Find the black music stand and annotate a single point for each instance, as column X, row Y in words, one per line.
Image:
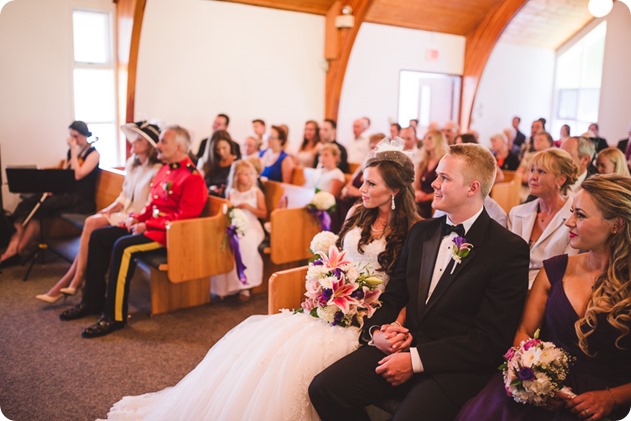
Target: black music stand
column 48, row 181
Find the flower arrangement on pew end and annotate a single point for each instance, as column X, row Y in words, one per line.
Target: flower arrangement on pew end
column 534, row 371
column 322, row 205
column 338, row 292
column 237, row 226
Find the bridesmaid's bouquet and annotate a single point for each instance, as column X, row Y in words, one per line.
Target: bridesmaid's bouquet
column 534, row 371
column 322, row 205
column 337, row 291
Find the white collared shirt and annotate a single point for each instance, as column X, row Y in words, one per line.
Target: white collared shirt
column 442, row 261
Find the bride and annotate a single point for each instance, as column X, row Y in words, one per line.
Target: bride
column 261, row 369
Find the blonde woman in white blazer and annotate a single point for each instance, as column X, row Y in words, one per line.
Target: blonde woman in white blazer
column 542, row 222
column 140, row 169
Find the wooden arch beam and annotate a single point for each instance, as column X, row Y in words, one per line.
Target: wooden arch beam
column 129, row 16
column 479, row 45
column 337, row 51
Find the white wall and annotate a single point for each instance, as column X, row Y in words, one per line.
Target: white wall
column 615, row 94
column 36, row 104
column 517, row 80
column 380, row 52
column 199, row 58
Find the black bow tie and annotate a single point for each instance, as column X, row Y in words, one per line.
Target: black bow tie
column 458, row 229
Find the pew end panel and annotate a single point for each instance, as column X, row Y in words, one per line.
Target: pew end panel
column 291, row 234
column 286, row 289
column 197, row 248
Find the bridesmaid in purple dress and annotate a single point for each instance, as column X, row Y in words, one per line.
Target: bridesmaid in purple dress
column 583, row 304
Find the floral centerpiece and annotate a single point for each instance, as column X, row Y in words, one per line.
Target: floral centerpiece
column 322, row 205
column 534, row 371
column 237, row 226
column 337, row 291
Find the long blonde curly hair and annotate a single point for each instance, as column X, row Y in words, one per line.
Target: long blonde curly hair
column 611, row 295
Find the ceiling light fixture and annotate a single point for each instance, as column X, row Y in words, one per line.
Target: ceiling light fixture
column 599, row 8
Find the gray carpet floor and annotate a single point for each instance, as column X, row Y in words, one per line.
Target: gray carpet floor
column 49, row 373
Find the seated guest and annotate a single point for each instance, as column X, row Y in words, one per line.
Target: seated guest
column 582, row 151
column 466, row 138
column 328, row 176
column 217, row 170
column 276, row 165
column 612, row 161
column 221, row 122
column 251, row 147
column 581, row 304
column 328, row 133
column 541, row 141
column 453, row 336
column 564, row 134
column 244, row 194
column 358, row 147
column 624, row 145
column 177, row 192
column 209, row 145
column 434, row 147
column 506, row 160
column 83, row 160
column 350, row 192
column 310, row 144
column 140, row 169
column 540, row 222
column 395, row 129
column 410, row 146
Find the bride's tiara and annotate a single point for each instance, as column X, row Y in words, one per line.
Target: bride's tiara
column 392, row 150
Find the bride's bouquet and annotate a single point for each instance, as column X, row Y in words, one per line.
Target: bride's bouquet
column 337, row 291
column 534, row 371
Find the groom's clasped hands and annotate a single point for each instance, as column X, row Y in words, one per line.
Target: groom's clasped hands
column 391, row 339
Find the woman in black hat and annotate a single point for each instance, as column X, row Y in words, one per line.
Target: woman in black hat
column 140, row 169
column 83, row 159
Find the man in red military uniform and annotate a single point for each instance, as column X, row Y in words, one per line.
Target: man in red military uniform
column 177, row 192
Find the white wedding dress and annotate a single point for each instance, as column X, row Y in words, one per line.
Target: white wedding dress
column 260, row 370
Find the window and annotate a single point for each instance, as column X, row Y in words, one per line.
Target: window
column 577, row 82
column 94, row 80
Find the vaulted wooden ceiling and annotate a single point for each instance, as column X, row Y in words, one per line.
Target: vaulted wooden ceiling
column 543, row 23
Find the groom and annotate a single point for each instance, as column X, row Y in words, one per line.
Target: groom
column 461, row 316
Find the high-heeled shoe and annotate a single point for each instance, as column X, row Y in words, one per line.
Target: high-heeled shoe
column 48, row 298
column 68, row 291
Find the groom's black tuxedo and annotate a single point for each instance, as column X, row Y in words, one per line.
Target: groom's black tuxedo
column 461, row 333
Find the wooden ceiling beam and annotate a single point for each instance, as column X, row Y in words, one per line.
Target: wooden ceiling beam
column 479, row 45
column 337, row 50
column 129, row 16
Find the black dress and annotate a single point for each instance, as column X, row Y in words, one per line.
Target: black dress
column 610, row 367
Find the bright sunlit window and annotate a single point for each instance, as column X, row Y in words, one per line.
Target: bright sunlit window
column 577, row 82
column 94, row 80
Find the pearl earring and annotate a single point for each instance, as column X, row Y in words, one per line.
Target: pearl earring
column 393, row 207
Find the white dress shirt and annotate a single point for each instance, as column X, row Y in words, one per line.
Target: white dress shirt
column 442, row 261
column 357, row 149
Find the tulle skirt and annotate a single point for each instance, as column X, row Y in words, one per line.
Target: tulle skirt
column 260, row 370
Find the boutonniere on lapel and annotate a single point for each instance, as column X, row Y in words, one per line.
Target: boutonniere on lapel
column 459, row 251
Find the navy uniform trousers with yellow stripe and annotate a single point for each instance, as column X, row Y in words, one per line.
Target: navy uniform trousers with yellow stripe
column 115, row 248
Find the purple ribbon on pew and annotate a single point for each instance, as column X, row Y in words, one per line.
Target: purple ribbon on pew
column 233, row 240
column 323, row 217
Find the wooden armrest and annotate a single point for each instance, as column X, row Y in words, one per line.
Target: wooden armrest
column 195, row 248
column 286, row 289
column 291, row 233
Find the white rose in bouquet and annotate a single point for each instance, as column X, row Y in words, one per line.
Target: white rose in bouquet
column 322, row 241
column 239, row 220
column 323, row 200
